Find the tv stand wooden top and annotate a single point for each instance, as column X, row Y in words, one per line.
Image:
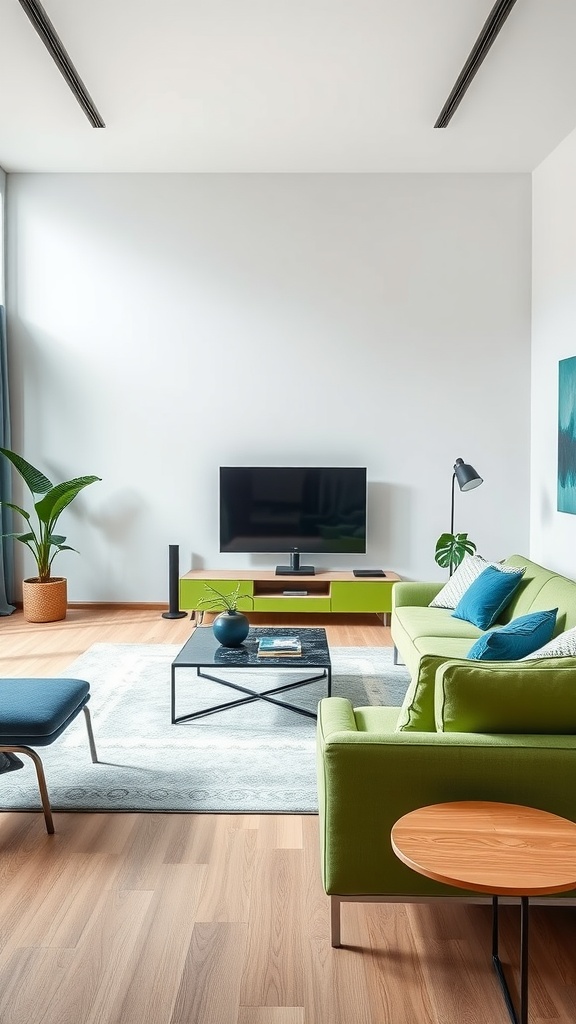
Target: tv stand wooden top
column 263, row 575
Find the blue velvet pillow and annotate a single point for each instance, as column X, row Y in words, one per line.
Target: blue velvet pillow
column 487, row 596
column 520, row 637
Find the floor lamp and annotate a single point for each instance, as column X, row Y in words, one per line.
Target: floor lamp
column 468, row 479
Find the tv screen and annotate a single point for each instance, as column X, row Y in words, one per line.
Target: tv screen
column 285, row 508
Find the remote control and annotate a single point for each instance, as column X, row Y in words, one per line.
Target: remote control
column 368, row 572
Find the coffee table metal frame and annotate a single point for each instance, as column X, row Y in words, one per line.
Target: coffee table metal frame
column 519, row 1016
column 416, row 854
column 202, row 651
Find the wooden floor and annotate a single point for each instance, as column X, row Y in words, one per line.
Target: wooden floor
column 221, row 919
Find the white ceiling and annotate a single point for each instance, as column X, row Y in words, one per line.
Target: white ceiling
column 286, row 85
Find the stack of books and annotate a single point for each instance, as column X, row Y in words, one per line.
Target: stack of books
column 279, row 647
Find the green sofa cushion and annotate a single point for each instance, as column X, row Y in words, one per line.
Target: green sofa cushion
column 501, row 697
column 417, row 712
column 436, row 622
column 435, row 647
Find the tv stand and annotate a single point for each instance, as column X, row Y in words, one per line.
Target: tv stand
column 326, row 591
column 295, row 569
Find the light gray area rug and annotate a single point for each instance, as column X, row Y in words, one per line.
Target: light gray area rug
column 256, row 758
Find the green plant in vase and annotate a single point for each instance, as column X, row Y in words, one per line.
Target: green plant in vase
column 49, row 501
column 231, row 627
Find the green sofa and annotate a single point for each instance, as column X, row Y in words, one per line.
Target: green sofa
column 467, row 730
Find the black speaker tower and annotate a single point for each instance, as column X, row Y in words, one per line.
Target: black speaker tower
column 173, row 573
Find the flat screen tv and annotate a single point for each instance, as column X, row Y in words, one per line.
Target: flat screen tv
column 293, row 509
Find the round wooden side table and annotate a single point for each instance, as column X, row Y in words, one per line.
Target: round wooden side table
column 496, row 848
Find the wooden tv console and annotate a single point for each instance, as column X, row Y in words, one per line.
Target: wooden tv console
column 326, row 591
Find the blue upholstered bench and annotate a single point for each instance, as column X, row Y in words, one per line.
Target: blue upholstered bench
column 34, row 713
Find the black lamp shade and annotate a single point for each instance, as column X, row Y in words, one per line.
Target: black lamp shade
column 466, row 476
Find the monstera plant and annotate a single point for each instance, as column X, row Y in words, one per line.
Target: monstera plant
column 43, row 601
column 451, row 549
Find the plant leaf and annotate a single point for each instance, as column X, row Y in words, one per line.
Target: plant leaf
column 16, row 508
column 33, row 478
column 58, row 498
column 57, row 549
column 228, row 600
column 451, row 549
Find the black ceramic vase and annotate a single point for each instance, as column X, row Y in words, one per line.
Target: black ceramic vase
column 231, row 628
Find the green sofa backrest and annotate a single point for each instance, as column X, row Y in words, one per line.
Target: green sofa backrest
column 469, row 697
column 539, row 590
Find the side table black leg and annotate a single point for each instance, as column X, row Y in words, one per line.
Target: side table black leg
column 524, row 922
column 522, row 1016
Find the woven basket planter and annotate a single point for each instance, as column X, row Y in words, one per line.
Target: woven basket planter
column 45, row 602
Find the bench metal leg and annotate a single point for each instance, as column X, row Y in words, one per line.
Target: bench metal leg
column 93, row 751
column 43, row 791
column 41, row 781
column 20, row 749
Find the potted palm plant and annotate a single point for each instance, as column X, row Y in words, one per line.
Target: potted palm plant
column 44, row 596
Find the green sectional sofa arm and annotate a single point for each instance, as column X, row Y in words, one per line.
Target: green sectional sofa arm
column 369, row 775
column 409, row 593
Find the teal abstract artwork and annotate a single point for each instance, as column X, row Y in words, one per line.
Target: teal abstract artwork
column 567, row 435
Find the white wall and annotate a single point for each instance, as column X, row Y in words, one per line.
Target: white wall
column 163, row 325
column 553, row 533
column 2, row 233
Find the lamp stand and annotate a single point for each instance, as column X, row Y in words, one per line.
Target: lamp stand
column 451, row 570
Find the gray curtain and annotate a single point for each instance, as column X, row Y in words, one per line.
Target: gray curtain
column 6, row 546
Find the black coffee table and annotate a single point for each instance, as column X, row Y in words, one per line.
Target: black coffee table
column 203, row 651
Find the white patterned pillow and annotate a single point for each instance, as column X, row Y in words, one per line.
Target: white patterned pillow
column 463, row 577
column 562, row 646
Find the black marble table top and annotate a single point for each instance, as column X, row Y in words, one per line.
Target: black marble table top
column 203, row 649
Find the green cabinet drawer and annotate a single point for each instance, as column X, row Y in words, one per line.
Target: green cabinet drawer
column 292, row 604
column 193, row 592
column 362, row 596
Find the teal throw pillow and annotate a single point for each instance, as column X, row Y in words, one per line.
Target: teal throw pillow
column 520, row 637
column 491, row 591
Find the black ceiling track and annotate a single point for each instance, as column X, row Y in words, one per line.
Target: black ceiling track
column 57, row 51
column 490, row 30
